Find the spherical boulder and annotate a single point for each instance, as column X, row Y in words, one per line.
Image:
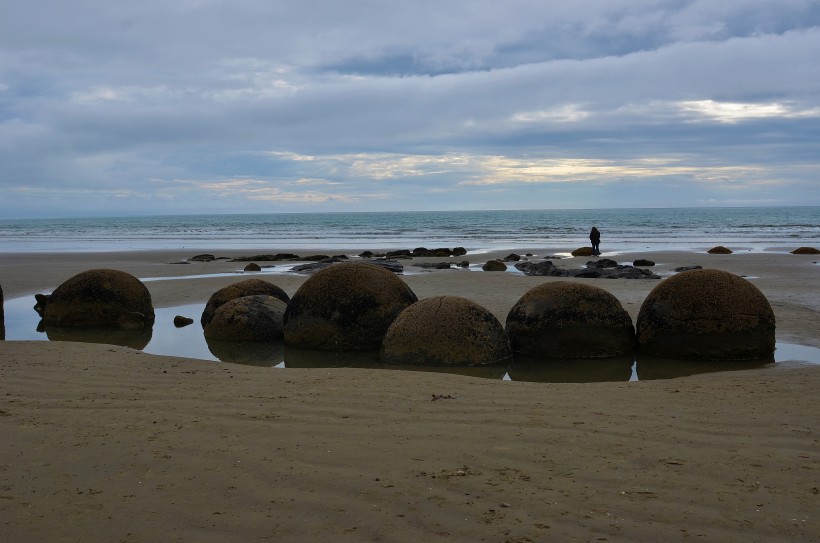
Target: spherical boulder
column 719, row 250
column 345, row 307
column 583, row 251
column 706, row 315
column 248, row 287
column 249, row 318
column 806, row 251
column 445, row 331
column 564, row 319
column 253, row 267
column 100, row 298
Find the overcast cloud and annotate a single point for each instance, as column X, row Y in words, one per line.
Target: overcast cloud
column 195, row 106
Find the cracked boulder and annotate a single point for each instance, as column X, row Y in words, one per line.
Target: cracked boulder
column 248, row 287
column 249, row 318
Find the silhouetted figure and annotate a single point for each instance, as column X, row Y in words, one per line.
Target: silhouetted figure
column 595, row 238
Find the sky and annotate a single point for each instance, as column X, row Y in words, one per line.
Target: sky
column 111, row 108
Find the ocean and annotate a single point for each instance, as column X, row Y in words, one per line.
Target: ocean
column 623, row 230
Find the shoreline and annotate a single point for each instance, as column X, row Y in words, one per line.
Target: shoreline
column 110, row 443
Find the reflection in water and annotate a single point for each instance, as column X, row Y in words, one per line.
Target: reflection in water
column 650, row 367
column 304, row 358
column 165, row 339
column 136, row 339
column 581, row 370
column 249, row 353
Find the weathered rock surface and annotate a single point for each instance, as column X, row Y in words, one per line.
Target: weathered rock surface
column 434, row 265
column 267, row 258
column 2, row 317
column 202, row 258
column 253, row 267
column 806, row 251
column 388, row 264
column 445, row 331
column 564, row 319
column 688, row 268
column 583, row 251
column 248, row 287
column 643, row 262
column 706, row 315
column 249, row 318
column 719, row 250
column 346, row 307
column 99, row 298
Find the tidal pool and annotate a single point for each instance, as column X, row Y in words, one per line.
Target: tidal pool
column 23, row 323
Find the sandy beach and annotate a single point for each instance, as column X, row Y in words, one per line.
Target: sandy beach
column 106, row 443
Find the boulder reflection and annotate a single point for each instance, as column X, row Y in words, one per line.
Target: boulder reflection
column 566, row 370
column 652, row 367
column 249, row 353
column 135, row 339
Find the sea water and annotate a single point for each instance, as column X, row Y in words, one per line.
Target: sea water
column 622, row 230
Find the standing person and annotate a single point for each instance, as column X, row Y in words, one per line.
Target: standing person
column 595, row 238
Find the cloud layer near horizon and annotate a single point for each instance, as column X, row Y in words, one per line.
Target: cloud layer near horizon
column 248, row 106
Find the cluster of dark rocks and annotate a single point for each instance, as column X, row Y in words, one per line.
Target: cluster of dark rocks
column 594, row 268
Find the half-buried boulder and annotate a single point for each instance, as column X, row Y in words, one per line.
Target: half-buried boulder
column 100, row 299
column 706, row 315
column 565, row 319
column 719, row 250
column 445, row 331
column 345, row 307
column 2, row 317
column 249, row 318
column 806, row 251
column 248, row 287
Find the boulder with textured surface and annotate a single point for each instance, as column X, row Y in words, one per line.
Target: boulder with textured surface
column 806, row 251
column 248, row 287
column 706, row 315
column 565, row 319
column 719, row 250
column 249, row 318
column 2, row 317
column 346, row 307
column 494, row 266
column 99, row 298
column 445, row 331
column 583, row 251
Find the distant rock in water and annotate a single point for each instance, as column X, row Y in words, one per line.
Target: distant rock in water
column 719, row 250
column 202, row 258
column 181, row 322
column 602, row 268
column 806, row 251
column 267, row 258
column 494, row 266
column 583, row 251
column 643, row 262
column 2, row 317
column 253, row 267
column 688, row 268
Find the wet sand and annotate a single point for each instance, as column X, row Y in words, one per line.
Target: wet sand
column 110, row 444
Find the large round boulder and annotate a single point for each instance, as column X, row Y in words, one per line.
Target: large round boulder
column 445, row 331
column 100, row 299
column 249, row 287
column 564, row 319
column 345, row 307
column 249, row 318
column 706, row 315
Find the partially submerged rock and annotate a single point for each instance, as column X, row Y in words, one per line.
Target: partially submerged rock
column 563, row 319
column 494, row 266
column 445, row 331
column 248, row 287
column 583, row 251
column 706, row 315
column 2, row 317
column 248, row 318
column 806, row 251
column 100, row 298
column 345, row 307
column 719, row 250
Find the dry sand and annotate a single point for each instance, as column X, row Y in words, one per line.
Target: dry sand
column 105, row 443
